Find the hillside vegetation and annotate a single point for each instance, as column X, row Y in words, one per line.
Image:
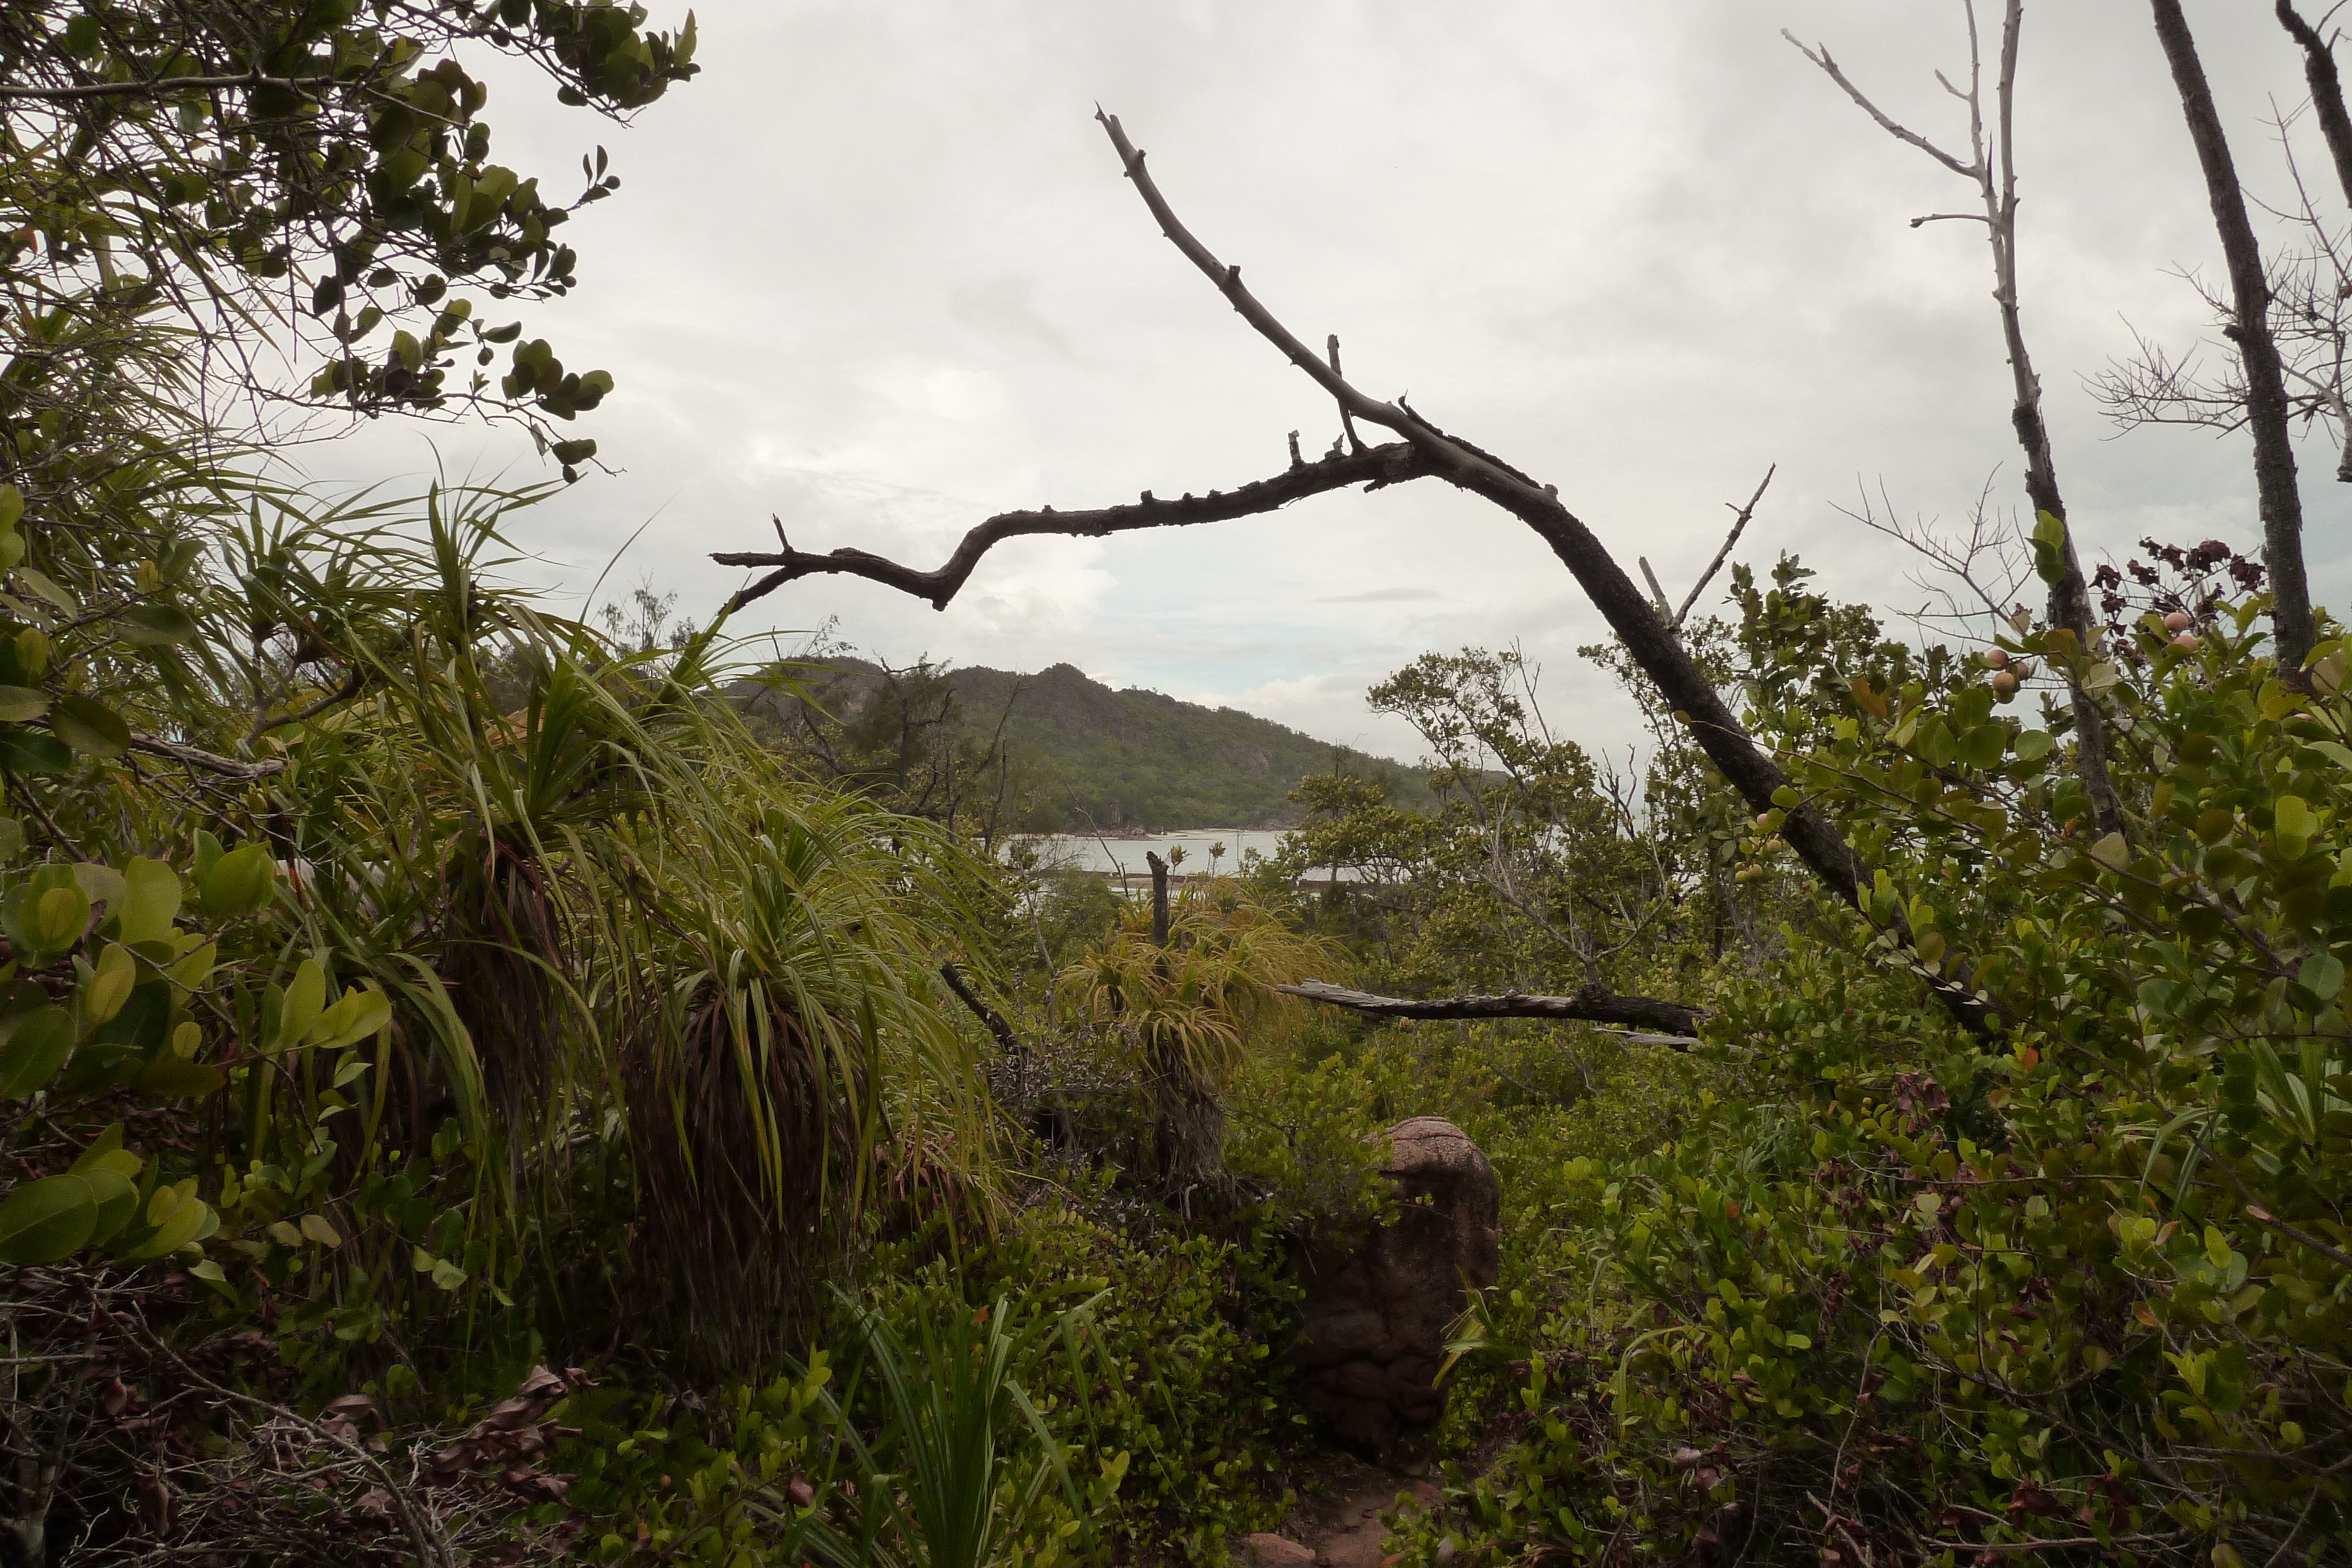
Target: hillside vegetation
column 1070, row 754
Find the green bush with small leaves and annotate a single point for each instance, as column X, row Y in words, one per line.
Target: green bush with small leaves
column 2077, row 1288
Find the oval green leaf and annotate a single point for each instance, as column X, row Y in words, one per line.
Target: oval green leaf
column 45, row 1220
column 37, row 1048
column 87, row 725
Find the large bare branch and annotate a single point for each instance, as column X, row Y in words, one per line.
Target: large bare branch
column 1678, row 1024
column 1386, row 464
column 2267, row 410
column 1649, row 641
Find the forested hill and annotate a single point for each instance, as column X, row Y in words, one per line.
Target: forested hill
column 1085, row 757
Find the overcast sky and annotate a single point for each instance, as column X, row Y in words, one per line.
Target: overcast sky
column 876, row 271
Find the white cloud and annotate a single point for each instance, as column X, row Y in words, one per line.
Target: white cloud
column 876, row 271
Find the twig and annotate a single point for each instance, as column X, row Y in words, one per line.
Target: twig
column 2301, row 1238
column 1347, row 420
column 1657, row 594
column 1738, row 525
column 1820, row 56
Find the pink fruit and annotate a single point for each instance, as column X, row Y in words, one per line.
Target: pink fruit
column 1998, row 658
column 2177, row 621
column 2004, row 685
column 2186, row 643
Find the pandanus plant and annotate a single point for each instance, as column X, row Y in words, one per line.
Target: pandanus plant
column 1188, row 1014
column 635, row 961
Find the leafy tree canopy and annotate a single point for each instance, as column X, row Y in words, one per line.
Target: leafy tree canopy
column 308, row 189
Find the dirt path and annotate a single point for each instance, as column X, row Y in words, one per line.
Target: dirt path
column 1337, row 1520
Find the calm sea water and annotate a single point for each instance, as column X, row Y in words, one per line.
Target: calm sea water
column 1118, row 856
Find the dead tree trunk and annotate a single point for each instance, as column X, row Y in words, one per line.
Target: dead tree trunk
column 1188, row 1119
column 1995, row 178
column 2267, row 412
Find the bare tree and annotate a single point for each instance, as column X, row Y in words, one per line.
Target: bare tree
column 1991, row 168
column 1420, row 450
column 2268, row 410
column 2310, row 285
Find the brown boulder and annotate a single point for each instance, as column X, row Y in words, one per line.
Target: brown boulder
column 1378, row 1301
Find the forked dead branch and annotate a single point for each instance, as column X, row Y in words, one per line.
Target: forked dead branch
column 1423, row 450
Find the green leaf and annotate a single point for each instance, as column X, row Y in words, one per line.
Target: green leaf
column 87, row 725
column 12, row 506
column 60, row 915
column 2294, row 818
column 42, row 585
column 155, row 625
column 358, row 1014
column 108, row 985
column 2033, row 745
column 2050, row 547
column 2322, row 974
column 46, row 1220
column 151, row 900
column 37, row 1048
column 448, row 1275
column 2112, row 851
column 237, row 883
column 179, row 1217
column 101, row 882
column 26, row 750
column 172, row 1077
column 115, row 1193
column 306, row 999
column 21, row 703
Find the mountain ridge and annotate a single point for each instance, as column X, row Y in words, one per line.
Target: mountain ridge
column 1096, row 759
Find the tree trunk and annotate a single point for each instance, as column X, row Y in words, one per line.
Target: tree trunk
column 2266, row 403
column 1189, row 1123
column 2326, row 92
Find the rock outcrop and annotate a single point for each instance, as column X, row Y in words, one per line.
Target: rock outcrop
column 1378, row 1301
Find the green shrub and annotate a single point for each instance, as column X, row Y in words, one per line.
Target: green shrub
column 2081, row 1285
